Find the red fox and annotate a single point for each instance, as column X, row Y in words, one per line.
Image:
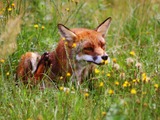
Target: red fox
column 77, row 53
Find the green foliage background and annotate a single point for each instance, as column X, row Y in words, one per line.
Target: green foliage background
column 135, row 29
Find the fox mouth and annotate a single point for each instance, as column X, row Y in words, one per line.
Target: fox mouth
column 98, row 60
column 95, row 63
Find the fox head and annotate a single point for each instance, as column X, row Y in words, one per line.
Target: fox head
column 88, row 45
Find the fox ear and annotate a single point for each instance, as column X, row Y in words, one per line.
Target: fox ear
column 66, row 33
column 103, row 27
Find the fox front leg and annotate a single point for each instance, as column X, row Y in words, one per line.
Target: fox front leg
column 42, row 66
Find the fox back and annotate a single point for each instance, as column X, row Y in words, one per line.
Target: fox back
column 27, row 66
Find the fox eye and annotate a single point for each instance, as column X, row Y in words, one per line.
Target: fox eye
column 103, row 46
column 88, row 49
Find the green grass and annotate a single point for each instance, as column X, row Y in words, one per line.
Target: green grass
column 135, row 28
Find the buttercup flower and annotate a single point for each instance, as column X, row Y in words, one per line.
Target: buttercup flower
column 114, row 60
column 134, row 80
column 108, row 75
column 126, row 84
column 133, row 91
column 116, row 83
column 9, row 9
column 106, row 62
column 96, row 71
column 101, row 84
column 74, row 45
column 111, row 92
column 145, row 78
column 68, row 74
column 156, row 86
column 66, row 43
column 67, row 9
column 63, row 38
column 13, row 5
column 61, row 88
column 61, row 78
column 36, row 26
column 86, row 95
column 104, row 113
column 7, row 73
column 2, row 61
column 43, row 27
column 132, row 53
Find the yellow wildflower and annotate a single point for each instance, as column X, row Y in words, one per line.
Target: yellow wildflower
column 132, row 53
column 116, row 83
column 108, row 75
column 7, row 73
column 156, row 86
column 36, row 26
column 61, row 88
column 145, row 78
column 2, row 61
column 106, row 62
column 9, row 9
column 138, row 80
column 13, row 5
column 124, row 85
column 114, row 60
column 67, row 9
column 63, row 38
column 104, row 113
column 61, row 78
column 66, row 43
column 102, row 61
column 111, row 92
column 96, row 71
column 74, row 45
column 133, row 91
column 86, row 95
column 101, row 84
column 43, row 27
column 68, row 74
column 134, row 80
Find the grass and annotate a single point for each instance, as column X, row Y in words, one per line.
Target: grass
column 126, row 88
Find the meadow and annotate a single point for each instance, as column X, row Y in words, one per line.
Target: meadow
column 126, row 88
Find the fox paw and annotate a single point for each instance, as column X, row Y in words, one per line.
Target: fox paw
column 45, row 58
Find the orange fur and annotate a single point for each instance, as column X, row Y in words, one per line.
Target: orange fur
column 77, row 53
column 26, row 66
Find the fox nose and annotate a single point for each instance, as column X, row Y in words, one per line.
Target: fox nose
column 105, row 57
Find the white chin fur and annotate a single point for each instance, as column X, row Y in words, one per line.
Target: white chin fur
column 89, row 58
